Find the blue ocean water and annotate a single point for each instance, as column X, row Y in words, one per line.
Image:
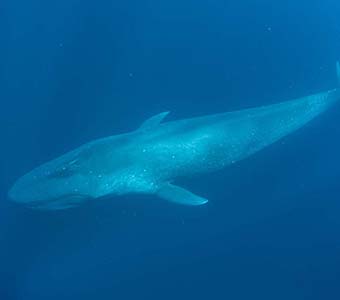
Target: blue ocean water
column 73, row 71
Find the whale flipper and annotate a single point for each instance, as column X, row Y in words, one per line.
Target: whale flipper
column 179, row 195
column 153, row 121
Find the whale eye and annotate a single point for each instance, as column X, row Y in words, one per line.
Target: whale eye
column 62, row 172
column 68, row 167
column 66, row 170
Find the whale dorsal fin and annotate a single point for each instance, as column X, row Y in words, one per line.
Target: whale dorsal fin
column 179, row 195
column 154, row 121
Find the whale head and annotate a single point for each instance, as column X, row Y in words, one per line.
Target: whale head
column 58, row 184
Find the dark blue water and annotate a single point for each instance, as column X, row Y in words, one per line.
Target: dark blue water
column 72, row 71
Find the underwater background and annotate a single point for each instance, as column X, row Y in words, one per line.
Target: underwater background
column 72, row 71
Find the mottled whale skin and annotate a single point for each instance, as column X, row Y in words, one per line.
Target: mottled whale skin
column 149, row 159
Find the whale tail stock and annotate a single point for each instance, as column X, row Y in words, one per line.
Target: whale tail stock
column 336, row 91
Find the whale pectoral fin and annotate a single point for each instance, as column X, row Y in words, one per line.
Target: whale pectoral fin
column 179, row 195
column 153, row 121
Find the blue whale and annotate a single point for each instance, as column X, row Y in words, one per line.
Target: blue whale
column 151, row 158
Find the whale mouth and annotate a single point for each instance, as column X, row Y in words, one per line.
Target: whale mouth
column 58, row 203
